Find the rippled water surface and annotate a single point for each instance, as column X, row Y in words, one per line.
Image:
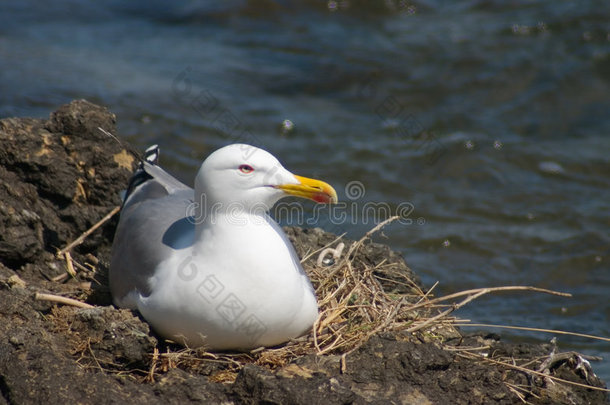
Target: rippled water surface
column 490, row 119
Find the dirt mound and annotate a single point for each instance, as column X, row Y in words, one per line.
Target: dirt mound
column 59, row 177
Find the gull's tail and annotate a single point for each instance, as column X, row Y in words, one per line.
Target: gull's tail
column 150, row 180
column 151, row 155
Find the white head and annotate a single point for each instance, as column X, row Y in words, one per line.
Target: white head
column 241, row 176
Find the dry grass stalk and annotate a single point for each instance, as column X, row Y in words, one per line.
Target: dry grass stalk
column 461, row 323
column 69, row 265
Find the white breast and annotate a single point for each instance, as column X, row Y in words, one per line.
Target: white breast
column 240, row 286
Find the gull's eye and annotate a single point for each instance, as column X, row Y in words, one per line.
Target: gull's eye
column 246, row 169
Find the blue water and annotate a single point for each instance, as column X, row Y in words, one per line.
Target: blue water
column 488, row 122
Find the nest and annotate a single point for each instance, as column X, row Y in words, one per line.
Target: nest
column 356, row 301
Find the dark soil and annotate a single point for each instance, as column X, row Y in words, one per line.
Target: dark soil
column 60, row 176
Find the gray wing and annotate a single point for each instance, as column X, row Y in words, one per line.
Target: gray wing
column 153, row 225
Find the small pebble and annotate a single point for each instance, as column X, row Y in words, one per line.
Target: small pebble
column 92, row 259
column 15, row 281
column 15, row 341
column 287, row 125
column 390, row 124
column 550, row 167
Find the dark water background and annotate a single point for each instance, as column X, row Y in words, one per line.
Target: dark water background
column 491, row 119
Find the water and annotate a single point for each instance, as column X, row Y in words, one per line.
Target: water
column 489, row 119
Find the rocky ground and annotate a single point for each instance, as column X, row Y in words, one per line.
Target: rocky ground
column 58, row 177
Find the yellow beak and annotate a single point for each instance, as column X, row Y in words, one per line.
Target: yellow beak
column 312, row 189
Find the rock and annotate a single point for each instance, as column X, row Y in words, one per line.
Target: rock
column 60, row 176
column 37, row 365
column 115, row 337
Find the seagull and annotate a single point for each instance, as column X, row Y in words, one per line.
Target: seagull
column 208, row 266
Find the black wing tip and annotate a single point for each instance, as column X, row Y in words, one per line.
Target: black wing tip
column 151, row 154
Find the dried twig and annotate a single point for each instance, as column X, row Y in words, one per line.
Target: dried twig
column 61, row 300
column 69, row 266
column 88, row 232
column 460, row 323
column 336, row 253
column 310, row 254
column 61, row 278
column 487, row 290
column 446, row 312
column 153, row 365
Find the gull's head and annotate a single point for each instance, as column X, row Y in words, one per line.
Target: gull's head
column 241, row 176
